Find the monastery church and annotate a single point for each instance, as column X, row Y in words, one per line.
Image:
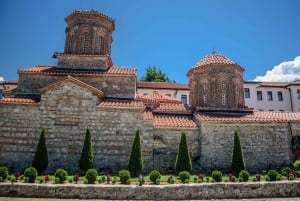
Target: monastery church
column 85, row 90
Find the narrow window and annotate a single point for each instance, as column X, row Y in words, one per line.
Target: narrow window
column 270, row 96
column 279, row 95
column 184, row 99
column 223, row 99
column 70, row 44
column 101, row 45
column 205, row 99
column 223, row 85
column 298, row 92
column 259, row 95
column 84, row 43
column 247, row 92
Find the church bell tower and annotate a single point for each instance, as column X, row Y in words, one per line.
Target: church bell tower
column 88, row 42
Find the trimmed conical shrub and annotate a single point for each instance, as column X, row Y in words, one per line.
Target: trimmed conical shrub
column 40, row 161
column 86, row 160
column 183, row 159
column 135, row 165
column 237, row 160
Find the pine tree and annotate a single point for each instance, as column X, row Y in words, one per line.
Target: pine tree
column 135, row 165
column 86, row 160
column 183, row 159
column 40, row 161
column 237, row 161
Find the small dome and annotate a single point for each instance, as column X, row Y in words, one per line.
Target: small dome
column 214, row 59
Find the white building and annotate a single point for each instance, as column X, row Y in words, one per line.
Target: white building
column 263, row 96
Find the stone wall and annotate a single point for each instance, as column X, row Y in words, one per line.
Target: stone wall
column 165, row 147
column 265, row 145
column 113, row 86
column 19, row 130
column 149, row 192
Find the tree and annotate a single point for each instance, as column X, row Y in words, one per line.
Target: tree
column 86, row 160
column 135, row 165
column 155, row 75
column 237, row 161
column 40, row 161
column 183, row 159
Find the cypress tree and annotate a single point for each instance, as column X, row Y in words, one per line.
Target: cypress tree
column 135, row 165
column 86, row 160
column 183, row 159
column 237, row 161
column 40, row 161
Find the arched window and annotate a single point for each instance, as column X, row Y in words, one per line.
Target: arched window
column 205, row 99
column 85, row 39
column 101, row 45
column 70, row 43
column 223, row 99
column 223, row 85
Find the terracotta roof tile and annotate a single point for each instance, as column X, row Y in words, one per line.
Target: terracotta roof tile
column 172, row 107
column 214, row 58
column 257, row 116
column 148, row 115
column 135, row 104
column 173, row 121
column 162, row 85
column 19, row 100
column 157, row 97
column 53, row 70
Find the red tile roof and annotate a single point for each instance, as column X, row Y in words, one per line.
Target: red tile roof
column 94, row 90
column 19, row 100
column 53, row 70
column 173, row 121
column 157, row 97
column 172, row 108
column 122, row 104
column 162, row 85
column 148, row 115
column 257, row 116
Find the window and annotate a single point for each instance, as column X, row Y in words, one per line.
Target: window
column 270, row 96
column 279, row 95
column 247, row 92
column 223, row 99
column 259, row 95
column 205, row 99
column 223, row 85
column 84, row 43
column 184, row 99
column 101, row 45
column 298, row 92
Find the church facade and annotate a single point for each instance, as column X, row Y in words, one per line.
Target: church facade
column 85, row 90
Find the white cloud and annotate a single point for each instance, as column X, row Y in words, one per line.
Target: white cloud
column 287, row 71
column 1, row 78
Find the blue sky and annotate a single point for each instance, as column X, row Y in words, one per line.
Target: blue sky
column 172, row 35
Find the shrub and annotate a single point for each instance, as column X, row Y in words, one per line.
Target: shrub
column 61, row 174
column 254, row 179
column 124, row 176
column 285, row 171
column 135, row 165
column 157, row 181
column 298, row 174
column 171, row 180
column 245, row 175
column 216, row 175
column 184, row 176
column 272, row 174
column 291, row 178
column 91, row 175
column 278, row 177
column 114, row 180
column 237, row 160
column 154, row 175
column 56, row 180
column 297, row 165
column 86, row 160
column 183, row 159
column 40, row 161
column 3, row 172
column 1, row 179
column 31, row 173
